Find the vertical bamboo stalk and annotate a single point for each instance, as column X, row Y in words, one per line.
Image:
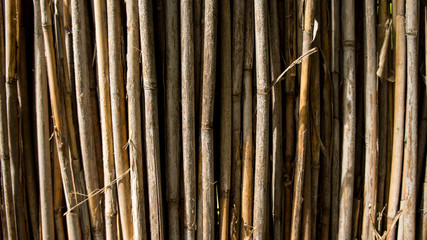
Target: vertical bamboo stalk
column 276, row 122
column 206, row 125
column 302, row 121
column 399, row 116
column 188, row 119
column 42, row 119
column 225, row 131
column 290, row 55
column 60, row 125
column 421, row 149
column 12, row 75
column 172, row 114
column 4, row 144
column 151, row 119
column 58, row 194
column 84, row 111
column 133, row 88
column 409, row 192
column 262, row 121
column 118, row 115
column 238, row 32
column 349, row 118
column 371, row 121
column 105, row 115
column 335, row 70
column 247, row 151
column 307, row 203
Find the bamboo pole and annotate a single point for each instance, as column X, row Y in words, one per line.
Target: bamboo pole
column 133, row 88
column 302, row 122
column 206, row 125
column 225, row 114
column 276, row 122
column 399, row 117
column 42, row 119
column 349, row 118
column 409, row 192
column 237, row 58
column 61, row 131
column 173, row 132
column 247, row 151
column 84, row 111
column 4, row 144
column 335, row 71
column 290, row 55
column 12, row 75
column 105, row 115
column 262, row 121
column 188, row 119
column 371, row 122
column 151, row 119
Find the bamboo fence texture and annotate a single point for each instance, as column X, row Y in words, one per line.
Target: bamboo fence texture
column 213, row 119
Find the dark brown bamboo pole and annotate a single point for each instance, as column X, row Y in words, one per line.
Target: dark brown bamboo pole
column 349, row 118
column 206, row 125
column 262, row 121
column 133, row 87
column 151, row 120
column 289, row 151
column 58, row 194
column 225, row 114
column 4, row 144
column 60, row 125
column 399, row 117
column 248, row 148
column 409, row 192
column 118, row 115
column 172, row 115
column 238, row 32
column 302, row 122
column 105, row 115
column 371, row 121
column 84, row 112
column 188, row 119
column 42, row 119
column 276, row 122
column 422, row 139
column 335, row 154
column 12, row 75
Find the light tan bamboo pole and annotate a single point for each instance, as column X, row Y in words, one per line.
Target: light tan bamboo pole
column 133, row 87
column 105, row 116
column 151, row 120
column 84, row 111
column 25, row 138
column 4, row 144
column 238, row 32
column 248, row 148
column 399, row 117
column 307, row 218
column 422, row 154
column 371, row 122
column 262, row 119
column 188, row 119
column 206, row 124
column 12, row 75
column 302, row 122
column 409, row 192
column 42, row 119
column 60, row 125
column 349, row 119
column 58, row 193
column 383, row 13
column 276, row 122
column 289, row 151
column 225, row 115
column 118, row 115
column 172, row 115
column 335, row 154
